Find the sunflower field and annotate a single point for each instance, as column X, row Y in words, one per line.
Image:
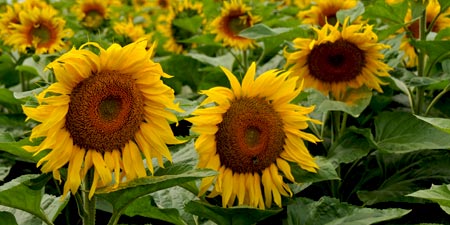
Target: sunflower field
column 238, row 112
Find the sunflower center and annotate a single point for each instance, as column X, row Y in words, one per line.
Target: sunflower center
column 41, row 32
column 105, row 111
column 93, row 19
column 335, row 62
column 110, row 107
column 238, row 21
column 163, row 4
column 250, row 136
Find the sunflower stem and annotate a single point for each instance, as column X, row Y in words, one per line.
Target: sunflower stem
column 88, row 203
column 421, row 62
column 435, row 99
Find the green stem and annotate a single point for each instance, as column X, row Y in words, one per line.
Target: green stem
column 421, row 63
column 435, row 99
column 237, row 59
column 88, row 204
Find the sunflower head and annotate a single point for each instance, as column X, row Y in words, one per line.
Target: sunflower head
column 130, row 31
column 325, row 11
column 93, row 13
column 102, row 114
column 39, row 30
column 175, row 32
column 338, row 59
column 235, row 17
column 441, row 21
column 248, row 134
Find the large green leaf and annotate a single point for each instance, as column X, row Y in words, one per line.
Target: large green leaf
column 261, row 30
column 437, row 193
column 7, row 218
column 8, row 100
column 326, row 171
column 332, row 212
column 176, row 198
column 436, row 51
column 401, row 132
column 355, row 101
column 226, row 60
column 229, row 216
column 8, row 144
column 26, row 193
column 388, row 13
column 393, row 176
column 121, row 197
column 146, row 207
column 444, row 5
column 351, row 146
column 440, row 123
column 52, row 206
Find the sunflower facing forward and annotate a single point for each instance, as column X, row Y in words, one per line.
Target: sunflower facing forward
column 339, row 59
column 234, row 18
column 249, row 135
column 103, row 113
column 37, row 28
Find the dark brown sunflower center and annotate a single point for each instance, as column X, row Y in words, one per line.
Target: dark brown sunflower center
column 335, row 62
column 93, row 19
column 41, row 32
column 163, row 4
column 237, row 21
column 250, row 136
column 105, row 111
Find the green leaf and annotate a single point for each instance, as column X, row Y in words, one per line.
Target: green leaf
column 444, row 5
column 354, row 144
column 7, row 218
column 8, row 75
column 226, row 60
column 332, row 212
column 191, row 24
column 437, row 193
column 21, row 193
column 176, row 198
column 7, row 98
column 146, row 207
column 326, row 172
column 436, row 51
column 393, row 176
column 27, row 69
column 353, row 103
column 261, row 30
column 122, row 196
column 7, row 144
column 387, row 13
column 5, row 167
column 229, row 216
column 352, row 13
column 53, row 205
column 401, row 132
column 440, row 123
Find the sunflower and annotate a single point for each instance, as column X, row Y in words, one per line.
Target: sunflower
column 102, row 114
column 94, row 13
column 235, row 17
column 337, row 60
column 38, row 29
column 8, row 18
column 249, row 134
column 325, row 11
column 130, row 30
column 175, row 33
column 441, row 22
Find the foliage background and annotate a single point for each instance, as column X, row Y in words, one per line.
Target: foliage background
column 390, row 165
